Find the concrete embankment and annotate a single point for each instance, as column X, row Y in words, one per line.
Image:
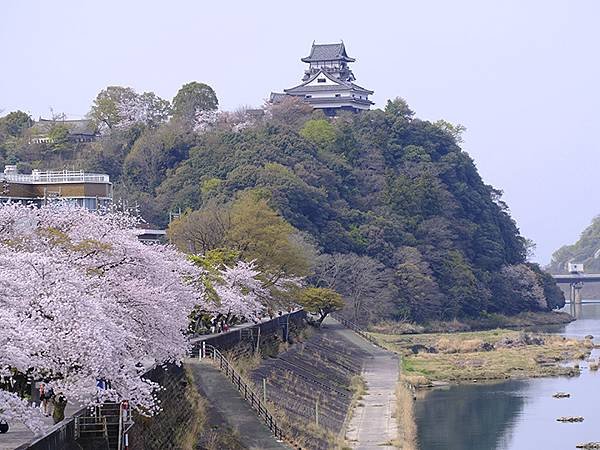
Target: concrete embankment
column 373, row 425
column 229, row 415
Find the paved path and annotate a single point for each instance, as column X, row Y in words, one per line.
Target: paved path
column 18, row 434
column 226, row 401
column 373, row 425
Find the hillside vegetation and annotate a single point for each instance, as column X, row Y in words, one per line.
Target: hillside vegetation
column 585, row 250
column 381, row 206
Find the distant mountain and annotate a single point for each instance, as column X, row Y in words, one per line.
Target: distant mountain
column 586, row 250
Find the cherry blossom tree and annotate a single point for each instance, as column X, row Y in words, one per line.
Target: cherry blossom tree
column 239, row 290
column 81, row 299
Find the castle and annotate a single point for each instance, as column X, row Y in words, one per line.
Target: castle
column 328, row 83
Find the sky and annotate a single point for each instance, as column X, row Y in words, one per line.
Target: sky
column 521, row 76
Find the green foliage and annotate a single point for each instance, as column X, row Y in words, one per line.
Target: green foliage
column 319, row 131
column 15, row 123
column 584, row 251
column 210, row 185
column 192, row 99
column 321, row 301
column 109, row 107
column 215, row 259
column 384, row 189
column 59, row 136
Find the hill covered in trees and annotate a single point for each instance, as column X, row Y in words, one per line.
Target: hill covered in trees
column 381, row 206
column 585, row 250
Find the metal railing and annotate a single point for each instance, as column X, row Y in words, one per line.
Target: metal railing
column 357, row 329
column 65, row 176
column 244, row 387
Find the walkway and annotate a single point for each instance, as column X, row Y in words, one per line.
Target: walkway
column 373, row 425
column 225, row 400
column 18, row 434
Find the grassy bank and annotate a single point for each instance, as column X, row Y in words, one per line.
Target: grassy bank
column 405, row 416
column 483, row 355
column 484, row 322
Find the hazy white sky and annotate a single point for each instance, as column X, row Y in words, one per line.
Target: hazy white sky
column 522, row 76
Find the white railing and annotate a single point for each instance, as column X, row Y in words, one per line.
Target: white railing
column 66, row 176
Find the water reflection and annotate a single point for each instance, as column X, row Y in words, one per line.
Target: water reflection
column 515, row 415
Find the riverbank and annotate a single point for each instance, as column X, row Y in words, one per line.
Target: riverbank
column 498, row 354
column 484, row 322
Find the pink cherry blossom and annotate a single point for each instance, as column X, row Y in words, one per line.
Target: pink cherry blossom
column 82, row 299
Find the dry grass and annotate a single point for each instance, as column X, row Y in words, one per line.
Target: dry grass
column 405, row 415
column 189, row 439
column 460, row 356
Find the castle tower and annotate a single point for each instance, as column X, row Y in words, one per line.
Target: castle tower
column 328, row 82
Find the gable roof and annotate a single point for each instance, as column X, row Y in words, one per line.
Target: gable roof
column 82, row 127
column 340, row 85
column 328, row 52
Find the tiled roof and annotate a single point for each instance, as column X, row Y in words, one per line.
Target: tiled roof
column 341, row 85
column 328, row 52
column 82, row 127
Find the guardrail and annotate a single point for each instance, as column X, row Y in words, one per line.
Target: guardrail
column 208, row 351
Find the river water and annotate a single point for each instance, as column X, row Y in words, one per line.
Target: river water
column 517, row 414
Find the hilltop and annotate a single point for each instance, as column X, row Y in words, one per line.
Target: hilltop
column 396, row 216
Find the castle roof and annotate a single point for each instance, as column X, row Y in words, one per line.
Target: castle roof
column 328, row 52
column 81, row 127
column 338, row 86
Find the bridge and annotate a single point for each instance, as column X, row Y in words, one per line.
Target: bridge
column 576, row 281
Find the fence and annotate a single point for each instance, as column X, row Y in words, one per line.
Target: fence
column 357, row 329
column 63, row 435
column 208, row 351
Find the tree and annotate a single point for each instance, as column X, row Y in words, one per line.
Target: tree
column 320, row 301
column 121, row 107
column 201, row 231
column 193, row 100
column 517, row 289
column 114, row 106
column 319, row 131
column 82, row 299
column 290, row 111
column 364, row 283
column 14, row 123
column 59, row 136
column 260, row 234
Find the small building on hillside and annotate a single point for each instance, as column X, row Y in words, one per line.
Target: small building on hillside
column 328, row 82
column 76, row 130
column 90, row 190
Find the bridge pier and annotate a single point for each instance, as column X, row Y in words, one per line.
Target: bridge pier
column 575, row 292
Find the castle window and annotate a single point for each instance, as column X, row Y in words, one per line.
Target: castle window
column 307, row 96
column 321, row 80
column 338, row 95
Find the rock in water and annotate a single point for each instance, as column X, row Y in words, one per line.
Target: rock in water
column 588, row 445
column 570, row 419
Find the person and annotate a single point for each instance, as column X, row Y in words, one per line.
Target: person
column 42, row 392
column 60, row 402
column 225, row 327
column 213, row 325
column 49, row 399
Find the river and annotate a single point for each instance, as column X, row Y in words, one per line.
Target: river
column 517, row 414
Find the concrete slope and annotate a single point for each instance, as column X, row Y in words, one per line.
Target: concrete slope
column 229, row 405
column 373, row 425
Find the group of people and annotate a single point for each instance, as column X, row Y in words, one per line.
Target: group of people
column 52, row 404
column 46, row 399
column 220, row 322
column 218, row 325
